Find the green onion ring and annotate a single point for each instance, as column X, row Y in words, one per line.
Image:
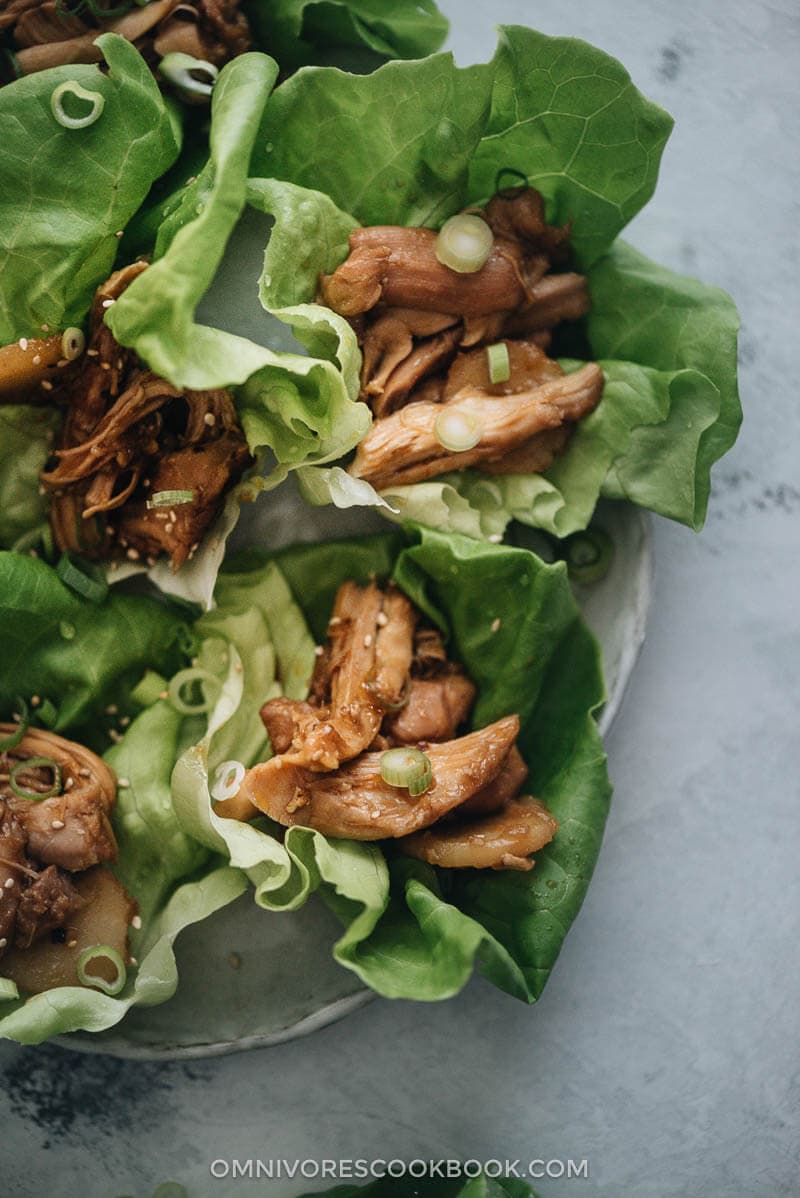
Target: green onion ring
column 588, row 555
column 464, row 243
column 11, row 742
column 457, row 431
column 100, row 952
column 498, row 362
column 170, row 498
column 31, row 763
column 510, row 170
column 72, row 87
column 85, row 578
column 73, row 343
column 181, row 69
column 407, row 768
column 227, row 780
column 186, row 678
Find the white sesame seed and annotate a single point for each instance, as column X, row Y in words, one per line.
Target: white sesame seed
column 136, row 922
column 48, row 386
column 495, row 538
column 45, row 328
column 35, row 700
column 9, row 882
column 57, row 823
column 72, row 944
column 107, row 303
column 3, row 942
column 495, row 624
column 367, row 640
column 318, row 651
column 132, row 555
column 124, row 783
column 116, row 737
column 132, row 961
column 126, row 719
column 23, row 343
column 209, row 419
column 163, row 694
column 112, row 709
column 381, row 619
column 37, row 359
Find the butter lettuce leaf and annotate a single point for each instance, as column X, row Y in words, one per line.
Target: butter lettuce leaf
column 66, row 194
column 409, row 930
column 567, row 117
column 79, row 655
column 302, row 31
column 26, row 433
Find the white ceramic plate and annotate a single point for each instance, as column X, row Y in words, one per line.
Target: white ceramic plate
column 249, row 978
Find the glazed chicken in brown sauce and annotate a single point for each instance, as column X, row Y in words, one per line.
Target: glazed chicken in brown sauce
column 140, row 468
column 377, row 751
column 57, row 898
column 454, row 365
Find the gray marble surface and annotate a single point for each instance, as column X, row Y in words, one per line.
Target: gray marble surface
column 664, row 1050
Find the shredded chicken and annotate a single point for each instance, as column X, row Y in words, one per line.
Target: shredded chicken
column 127, row 435
column 404, row 448
column 355, row 802
column 401, row 691
column 503, row 840
column 415, row 318
column 47, row 846
column 42, row 33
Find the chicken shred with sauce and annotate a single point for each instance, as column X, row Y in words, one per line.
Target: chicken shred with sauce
column 128, row 435
column 56, row 895
column 383, row 681
column 424, row 330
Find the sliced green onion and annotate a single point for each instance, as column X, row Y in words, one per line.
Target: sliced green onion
column 190, row 677
column 588, row 555
column 194, row 76
column 73, row 343
column 70, row 8
column 32, row 763
column 170, row 498
column 85, row 578
column 464, row 243
column 227, row 780
column 520, row 177
column 499, row 365
column 457, row 431
column 11, row 742
column 101, row 952
column 73, row 88
column 150, row 687
column 408, row 768
column 8, row 990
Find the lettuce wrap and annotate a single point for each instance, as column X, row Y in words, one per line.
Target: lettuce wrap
column 295, row 406
column 413, row 144
column 411, row 930
column 76, row 663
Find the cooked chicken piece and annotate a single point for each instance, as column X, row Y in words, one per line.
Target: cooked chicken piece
column 430, row 655
column 71, row 830
column 536, row 455
column 553, row 299
column 435, row 709
column 390, row 338
column 128, row 434
column 403, row 448
column 497, row 793
column 47, row 34
column 529, row 366
column 283, row 718
column 394, row 649
column 430, row 355
column 397, row 266
column 356, row 803
column 104, row 917
column 502, row 840
column 45, row 903
column 14, row 866
column 518, row 214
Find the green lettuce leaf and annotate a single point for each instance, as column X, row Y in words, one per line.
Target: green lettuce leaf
column 79, row 655
column 82, row 657
column 25, row 436
column 425, row 139
column 412, row 931
column 302, row 31
column 65, row 194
